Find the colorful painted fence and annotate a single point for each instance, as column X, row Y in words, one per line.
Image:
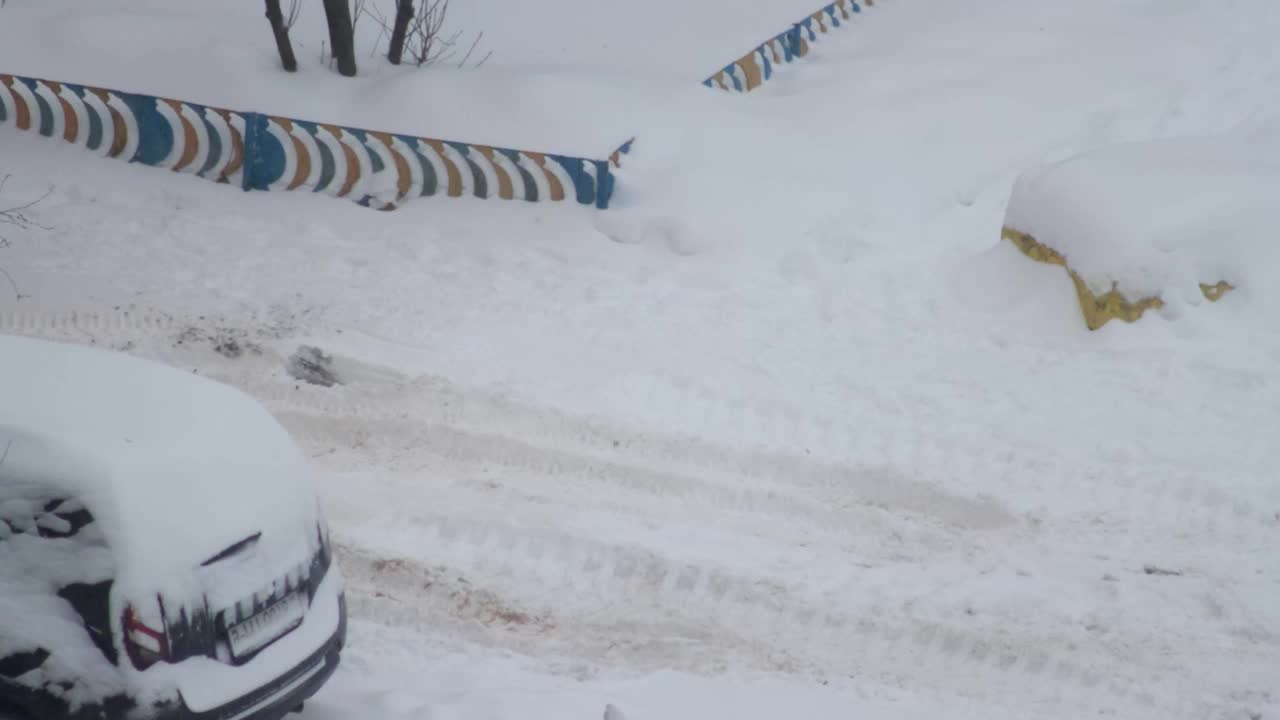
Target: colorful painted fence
column 256, row 151
column 757, row 67
column 624, row 149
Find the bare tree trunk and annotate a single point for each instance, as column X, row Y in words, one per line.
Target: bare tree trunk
column 404, row 13
column 341, row 35
column 281, row 31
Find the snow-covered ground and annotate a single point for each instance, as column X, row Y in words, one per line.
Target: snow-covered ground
column 789, row 431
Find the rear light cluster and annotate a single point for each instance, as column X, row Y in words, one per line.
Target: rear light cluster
column 152, row 636
column 145, row 639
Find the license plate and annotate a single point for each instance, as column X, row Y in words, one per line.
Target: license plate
column 266, row 626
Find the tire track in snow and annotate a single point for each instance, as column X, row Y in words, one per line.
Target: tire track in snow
column 553, row 473
column 1182, row 500
column 522, row 458
column 1129, row 496
column 102, row 325
column 592, row 448
column 1160, row 494
column 632, row 606
column 1175, row 498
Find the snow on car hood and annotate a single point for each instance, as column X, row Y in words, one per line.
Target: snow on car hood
column 174, row 467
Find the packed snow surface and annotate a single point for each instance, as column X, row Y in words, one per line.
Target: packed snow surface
column 789, row 430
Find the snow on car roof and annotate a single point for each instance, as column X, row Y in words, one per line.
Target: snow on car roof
column 174, row 467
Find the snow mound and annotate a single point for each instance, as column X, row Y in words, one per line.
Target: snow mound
column 1162, row 225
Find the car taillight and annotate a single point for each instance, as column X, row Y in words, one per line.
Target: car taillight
column 144, row 638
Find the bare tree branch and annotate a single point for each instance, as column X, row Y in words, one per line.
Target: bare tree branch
column 416, row 30
column 18, row 217
column 17, row 294
column 358, row 10
column 424, row 39
column 472, row 49
column 384, row 28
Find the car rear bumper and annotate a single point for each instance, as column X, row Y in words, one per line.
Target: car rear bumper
column 278, row 697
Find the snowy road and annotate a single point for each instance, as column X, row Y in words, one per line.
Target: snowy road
column 471, row 518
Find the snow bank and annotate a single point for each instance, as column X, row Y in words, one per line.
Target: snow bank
column 1158, row 225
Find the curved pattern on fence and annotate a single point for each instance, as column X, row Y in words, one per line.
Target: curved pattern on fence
column 265, row 152
column 757, row 67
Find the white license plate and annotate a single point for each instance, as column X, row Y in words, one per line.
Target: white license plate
column 270, row 623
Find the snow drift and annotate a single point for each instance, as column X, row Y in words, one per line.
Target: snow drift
column 1162, row 225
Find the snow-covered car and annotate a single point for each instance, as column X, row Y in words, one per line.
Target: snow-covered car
column 163, row 553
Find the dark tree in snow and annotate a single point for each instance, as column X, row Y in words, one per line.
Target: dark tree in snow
column 281, row 31
column 341, row 35
column 416, row 31
column 424, row 38
column 400, row 30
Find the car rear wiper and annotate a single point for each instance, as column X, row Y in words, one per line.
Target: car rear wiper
column 234, row 549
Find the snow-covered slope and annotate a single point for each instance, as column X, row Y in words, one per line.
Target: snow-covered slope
column 780, row 412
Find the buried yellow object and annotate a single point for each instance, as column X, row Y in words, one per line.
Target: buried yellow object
column 1098, row 309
